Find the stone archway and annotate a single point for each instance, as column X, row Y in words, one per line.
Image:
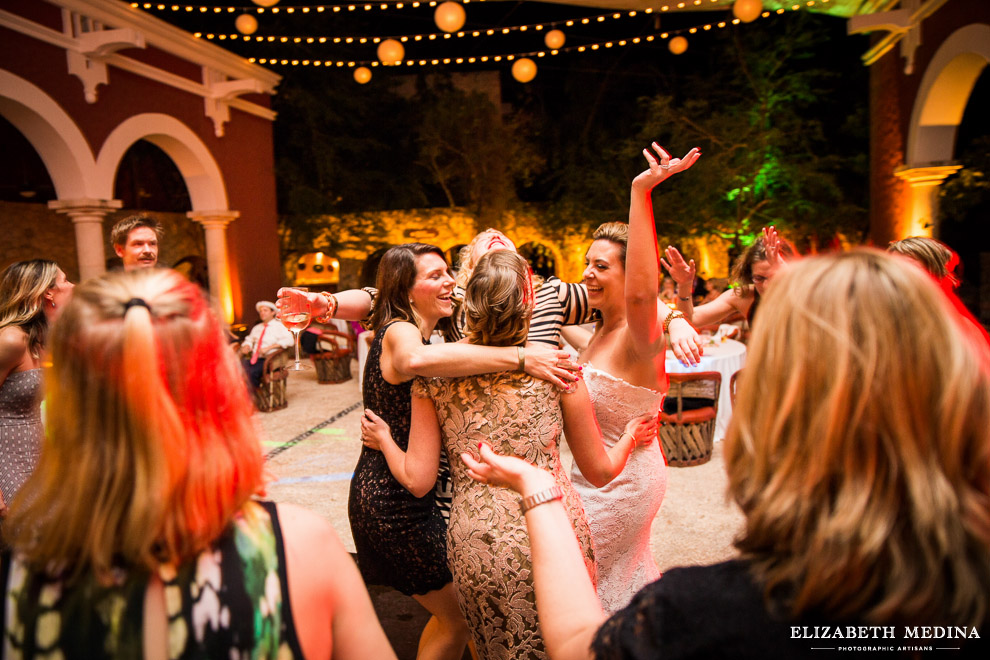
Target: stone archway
column 938, row 109
column 542, row 258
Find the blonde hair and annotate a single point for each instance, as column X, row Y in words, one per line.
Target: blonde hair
column 22, row 289
column 863, row 470
column 498, row 301
column 150, row 449
column 614, row 232
column 928, row 252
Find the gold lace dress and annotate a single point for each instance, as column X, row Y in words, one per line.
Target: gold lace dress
column 487, row 542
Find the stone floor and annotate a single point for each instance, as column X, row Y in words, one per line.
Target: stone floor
column 313, row 445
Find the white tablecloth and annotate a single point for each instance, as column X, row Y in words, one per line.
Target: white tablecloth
column 727, row 358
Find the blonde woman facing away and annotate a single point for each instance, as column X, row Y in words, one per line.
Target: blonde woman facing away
column 139, row 534
column 32, row 295
column 863, row 472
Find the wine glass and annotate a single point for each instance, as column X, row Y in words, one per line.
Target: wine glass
column 295, row 315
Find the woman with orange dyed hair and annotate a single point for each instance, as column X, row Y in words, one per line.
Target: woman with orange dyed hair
column 139, row 533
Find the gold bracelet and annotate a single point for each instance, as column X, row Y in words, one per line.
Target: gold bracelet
column 331, row 308
column 674, row 314
column 542, row 497
column 521, row 354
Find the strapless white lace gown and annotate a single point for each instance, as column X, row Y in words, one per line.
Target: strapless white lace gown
column 621, row 513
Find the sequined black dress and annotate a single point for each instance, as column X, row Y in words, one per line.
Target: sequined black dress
column 401, row 540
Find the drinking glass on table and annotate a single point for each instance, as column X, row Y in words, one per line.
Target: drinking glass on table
column 295, row 314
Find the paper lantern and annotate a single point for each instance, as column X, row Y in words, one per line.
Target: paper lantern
column 246, row 24
column 524, row 70
column 362, row 74
column 449, row 16
column 391, row 51
column 265, row 3
column 554, row 39
column 747, row 11
column 678, row 45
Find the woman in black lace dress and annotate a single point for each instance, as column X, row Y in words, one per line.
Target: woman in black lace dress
column 401, row 539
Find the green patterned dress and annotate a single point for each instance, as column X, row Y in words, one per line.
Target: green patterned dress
column 231, row 602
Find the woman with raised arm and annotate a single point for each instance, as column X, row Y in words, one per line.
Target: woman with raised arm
column 32, row 295
column 625, row 375
column 751, row 273
column 400, row 538
column 883, row 520
column 518, row 415
column 139, row 534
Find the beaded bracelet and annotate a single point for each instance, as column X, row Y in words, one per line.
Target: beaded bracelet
column 542, row 497
column 331, row 307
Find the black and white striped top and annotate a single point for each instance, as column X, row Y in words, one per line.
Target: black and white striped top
column 557, row 304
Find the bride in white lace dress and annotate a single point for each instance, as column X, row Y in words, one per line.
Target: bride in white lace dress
column 624, row 371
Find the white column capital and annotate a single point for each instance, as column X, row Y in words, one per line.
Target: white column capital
column 87, row 207
column 220, row 218
column 930, row 175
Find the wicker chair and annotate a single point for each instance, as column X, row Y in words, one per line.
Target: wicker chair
column 271, row 394
column 687, row 435
column 333, row 362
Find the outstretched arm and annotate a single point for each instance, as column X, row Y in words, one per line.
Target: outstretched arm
column 352, row 304
column 642, row 257
column 416, row 468
column 566, row 602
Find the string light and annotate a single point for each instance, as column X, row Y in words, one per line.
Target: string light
column 380, row 5
column 585, row 48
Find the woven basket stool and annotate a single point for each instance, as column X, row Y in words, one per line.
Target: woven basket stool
column 687, row 436
column 333, row 366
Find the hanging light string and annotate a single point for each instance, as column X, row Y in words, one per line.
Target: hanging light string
column 508, row 57
column 380, row 5
column 460, row 34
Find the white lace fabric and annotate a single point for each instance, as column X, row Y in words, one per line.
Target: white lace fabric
column 621, row 513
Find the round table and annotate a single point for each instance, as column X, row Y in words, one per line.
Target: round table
column 726, row 357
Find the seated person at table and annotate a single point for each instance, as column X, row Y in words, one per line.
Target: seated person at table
column 863, row 476
column 265, row 338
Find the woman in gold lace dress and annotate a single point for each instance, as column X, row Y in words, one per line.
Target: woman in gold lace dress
column 516, row 414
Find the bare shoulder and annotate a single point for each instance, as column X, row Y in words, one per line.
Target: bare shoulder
column 13, row 347
column 303, row 525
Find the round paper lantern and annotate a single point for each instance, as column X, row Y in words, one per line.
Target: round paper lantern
column 554, row 39
column 524, row 70
column 265, row 3
column 246, row 24
column 391, row 51
column 449, row 16
column 747, row 11
column 362, row 74
column 678, row 45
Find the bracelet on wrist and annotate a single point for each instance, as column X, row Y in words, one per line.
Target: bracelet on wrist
column 674, row 314
column 521, row 354
column 684, row 298
column 331, row 308
column 541, row 497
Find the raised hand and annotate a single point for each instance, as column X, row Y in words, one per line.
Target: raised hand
column 771, row 245
column 680, row 270
column 663, row 166
column 317, row 303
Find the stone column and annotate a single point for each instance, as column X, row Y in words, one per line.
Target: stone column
column 922, row 207
column 87, row 218
column 215, row 225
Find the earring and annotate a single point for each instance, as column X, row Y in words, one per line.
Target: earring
column 53, row 304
